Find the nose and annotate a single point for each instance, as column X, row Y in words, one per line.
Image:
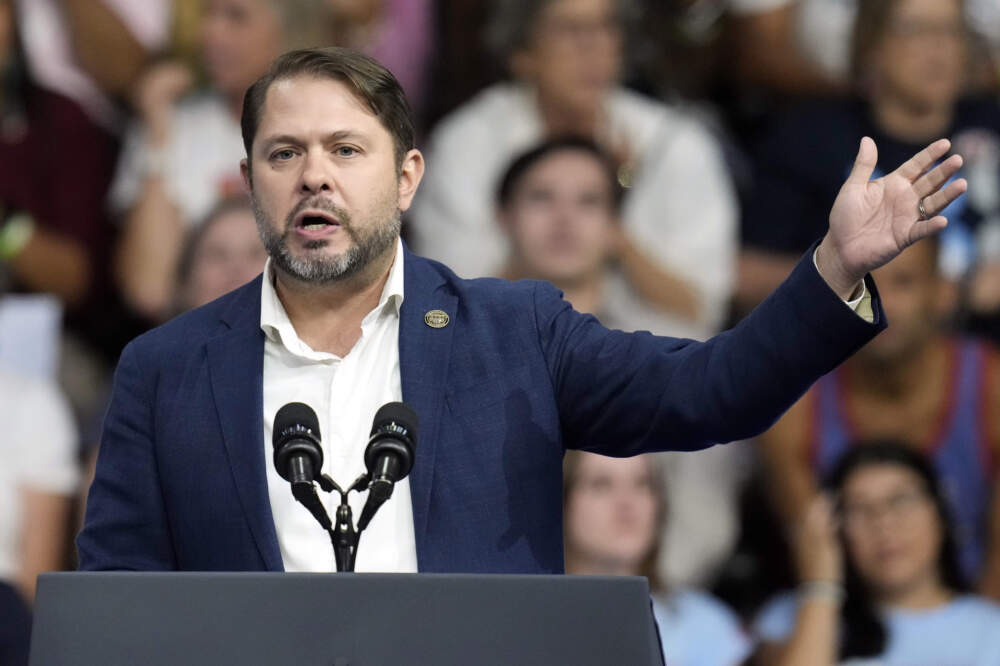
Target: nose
column 316, row 175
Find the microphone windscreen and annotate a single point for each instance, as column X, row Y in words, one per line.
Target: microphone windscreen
column 400, row 414
column 294, row 415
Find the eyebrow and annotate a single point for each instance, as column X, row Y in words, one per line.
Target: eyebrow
column 339, row 135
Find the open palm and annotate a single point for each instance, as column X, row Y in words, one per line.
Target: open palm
column 872, row 221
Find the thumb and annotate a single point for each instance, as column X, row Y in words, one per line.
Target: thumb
column 864, row 163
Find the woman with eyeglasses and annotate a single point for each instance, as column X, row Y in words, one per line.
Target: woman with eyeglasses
column 880, row 580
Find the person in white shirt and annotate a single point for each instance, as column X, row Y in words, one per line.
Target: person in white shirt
column 566, row 57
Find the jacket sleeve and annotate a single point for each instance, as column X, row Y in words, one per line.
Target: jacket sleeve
column 126, row 526
column 626, row 393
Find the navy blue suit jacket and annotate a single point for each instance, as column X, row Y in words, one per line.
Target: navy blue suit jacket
column 514, row 379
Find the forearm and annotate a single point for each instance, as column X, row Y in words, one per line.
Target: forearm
column 104, row 46
column 146, row 257
column 815, row 639
column 769, row 56
column 53, row 263
column 656, row 285
column 43, row 541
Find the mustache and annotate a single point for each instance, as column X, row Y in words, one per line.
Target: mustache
column 318, row 202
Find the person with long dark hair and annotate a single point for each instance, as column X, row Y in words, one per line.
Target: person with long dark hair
column 880, row 577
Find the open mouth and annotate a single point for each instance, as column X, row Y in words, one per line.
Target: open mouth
column 315, row 220
column 315, row 224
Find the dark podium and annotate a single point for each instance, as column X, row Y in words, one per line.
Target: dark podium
column 277, row 619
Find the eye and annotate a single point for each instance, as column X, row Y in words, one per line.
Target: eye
column 283, row 155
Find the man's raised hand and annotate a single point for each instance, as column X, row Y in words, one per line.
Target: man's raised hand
column 872, row 221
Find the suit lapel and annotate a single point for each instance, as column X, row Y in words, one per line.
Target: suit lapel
column 424, row 354
column 236, row 368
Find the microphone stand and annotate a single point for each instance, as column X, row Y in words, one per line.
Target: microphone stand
column 343, row 535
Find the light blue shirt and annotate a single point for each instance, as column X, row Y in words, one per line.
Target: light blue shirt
column 697, row 630
column 962, row 632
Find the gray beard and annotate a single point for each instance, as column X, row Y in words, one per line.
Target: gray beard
column 321, row 269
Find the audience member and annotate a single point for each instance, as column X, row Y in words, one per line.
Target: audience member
column 183, row 156
column 889, row 590
column 559, row 206
column 613, row 517
column 220, row 254
column 92, row 51
column 792, row 47
column 566, row 57
column 38, row 477
column 803, row 47
column 55, row 166
column 909, row 60
column 397, row 33
column 915, row 383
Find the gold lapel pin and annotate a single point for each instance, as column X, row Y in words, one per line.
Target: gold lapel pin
column 437, row 318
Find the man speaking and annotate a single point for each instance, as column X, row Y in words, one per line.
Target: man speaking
column 504, row 376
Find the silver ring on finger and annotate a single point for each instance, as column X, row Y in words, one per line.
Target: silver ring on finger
column 921, row 211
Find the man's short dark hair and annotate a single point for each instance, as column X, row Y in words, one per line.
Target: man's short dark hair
column 370, row 81
column 515, row 173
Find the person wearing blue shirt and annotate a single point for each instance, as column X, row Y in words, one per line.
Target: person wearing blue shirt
column 888, row 591
column 613, row 513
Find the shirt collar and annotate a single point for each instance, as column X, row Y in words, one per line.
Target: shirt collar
column 278, row 327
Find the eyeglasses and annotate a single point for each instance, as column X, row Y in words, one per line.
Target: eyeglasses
column 897, row 507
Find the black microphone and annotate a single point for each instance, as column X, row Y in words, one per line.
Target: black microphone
column 389, row 456
column 298, row 456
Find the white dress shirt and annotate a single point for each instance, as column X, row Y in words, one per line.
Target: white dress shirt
column 345, row 393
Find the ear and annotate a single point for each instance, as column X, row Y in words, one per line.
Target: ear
column 245, row 173
column 410, row 175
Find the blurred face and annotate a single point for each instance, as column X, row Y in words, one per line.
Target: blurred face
column 574, row 53
column 891, row 527
column 612, row 512
column 356, row 11
column 324, row 180
column 228, row 255
column 239, row 39
column 922, row 55
column 914, row 296
column 561, row 218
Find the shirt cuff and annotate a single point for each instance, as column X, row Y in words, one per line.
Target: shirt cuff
column 861, row 304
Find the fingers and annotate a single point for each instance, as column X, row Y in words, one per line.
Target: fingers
column 934, row 179
column 923, row 228
column 864, row 163
column 914, row 167
column 938, row 201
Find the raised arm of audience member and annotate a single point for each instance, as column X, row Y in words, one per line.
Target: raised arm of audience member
column 654, row 283
column 769, row 56
column 104, row 46
column 819, row 563
column 153, row 231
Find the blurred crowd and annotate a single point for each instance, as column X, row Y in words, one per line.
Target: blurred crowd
column 665, row 163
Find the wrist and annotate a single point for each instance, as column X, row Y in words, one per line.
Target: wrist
column 832, row 270
column 15, row 233
column 822, row 589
